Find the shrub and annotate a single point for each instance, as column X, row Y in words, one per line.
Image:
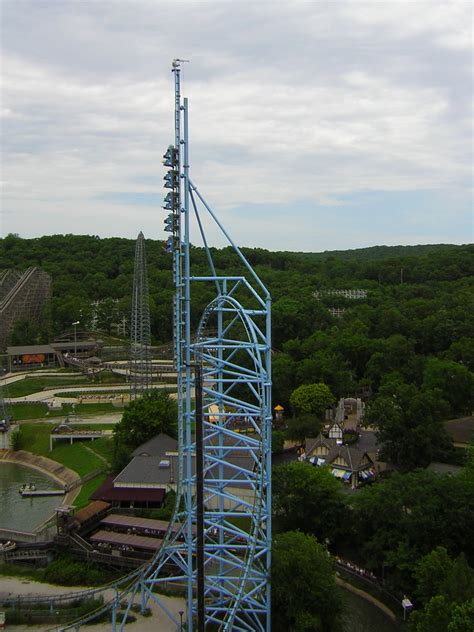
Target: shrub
column 16, row 440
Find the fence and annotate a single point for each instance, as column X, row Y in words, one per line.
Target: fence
column 373, row 588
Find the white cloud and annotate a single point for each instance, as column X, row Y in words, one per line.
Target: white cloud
column 289, row 101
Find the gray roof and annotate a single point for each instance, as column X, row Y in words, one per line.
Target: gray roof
column 30, row 350
column 157, row 446
column 144, row 467
column 145, row 470
column 313, row 442
column 367, row 442
column 352, row 454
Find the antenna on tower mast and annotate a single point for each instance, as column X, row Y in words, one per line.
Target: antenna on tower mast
column 177, row 63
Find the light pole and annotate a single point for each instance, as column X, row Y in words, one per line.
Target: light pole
column 181, row 612
column 406, row 605
column 75, row 324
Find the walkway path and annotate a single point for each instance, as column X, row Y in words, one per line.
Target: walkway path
column 12, row 586
column 50, row 394
column 99, row 456
column 93, row 420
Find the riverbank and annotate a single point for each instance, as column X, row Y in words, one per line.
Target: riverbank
column 369, row 598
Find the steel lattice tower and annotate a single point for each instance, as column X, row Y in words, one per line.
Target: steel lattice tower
column 140, row 337
column 218, row 544
column 220, row 550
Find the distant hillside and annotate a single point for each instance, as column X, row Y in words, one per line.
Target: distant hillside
column 387, row 252
column 92, row 279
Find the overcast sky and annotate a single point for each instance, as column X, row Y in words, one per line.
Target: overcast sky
column 313, row 125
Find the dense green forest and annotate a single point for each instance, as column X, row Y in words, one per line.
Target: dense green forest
column 407, row 346
column 419, row 306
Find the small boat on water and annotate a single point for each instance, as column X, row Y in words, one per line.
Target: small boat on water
column 27, row 487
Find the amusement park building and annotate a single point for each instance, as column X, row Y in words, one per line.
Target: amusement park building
column 153, row 471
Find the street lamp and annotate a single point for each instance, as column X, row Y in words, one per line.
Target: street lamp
column 75, row 324
column 181, row 612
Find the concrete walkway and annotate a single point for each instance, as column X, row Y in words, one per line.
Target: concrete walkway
column 93, row 420
column 50, row 394
column 11, row 586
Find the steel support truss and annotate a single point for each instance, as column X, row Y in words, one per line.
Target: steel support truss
column 217, row 550
column 140, row 336
column 220, row 554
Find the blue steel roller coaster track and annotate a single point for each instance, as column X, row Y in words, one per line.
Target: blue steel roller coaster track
column 218, row 553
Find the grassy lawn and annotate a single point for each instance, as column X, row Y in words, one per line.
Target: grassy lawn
column 108, row 377
column 104, row 447
column 92, row 409
column 34, row 384
column 76, row 457
column 39, row 411
column 88, row 489
column 32, row 411
column 35, row 439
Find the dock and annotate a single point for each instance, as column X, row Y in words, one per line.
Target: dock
column 42, row 492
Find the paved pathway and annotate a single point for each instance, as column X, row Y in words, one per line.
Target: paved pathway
column 94, row 420
column 11, row 586
column 50, row 394
column 99, row 456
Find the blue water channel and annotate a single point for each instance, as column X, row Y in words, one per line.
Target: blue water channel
column 24, row 514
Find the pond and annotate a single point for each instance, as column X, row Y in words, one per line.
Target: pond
column 362, row 616
column 24, row 514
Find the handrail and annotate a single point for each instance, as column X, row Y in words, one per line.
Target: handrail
column 373, row 583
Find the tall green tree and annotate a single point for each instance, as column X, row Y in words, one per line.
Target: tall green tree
column 400, row 520
column 462, row 617
column 310, row 499
column 305, row 597
column 438, row 574
column 435, row 616
column 156, row 411
column 298, row 428
column 311, row 399
column 445, row 589
column 409, row 425
column 454, row 382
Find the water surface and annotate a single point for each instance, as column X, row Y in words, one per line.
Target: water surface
column 24, row 514
column 362, row 616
